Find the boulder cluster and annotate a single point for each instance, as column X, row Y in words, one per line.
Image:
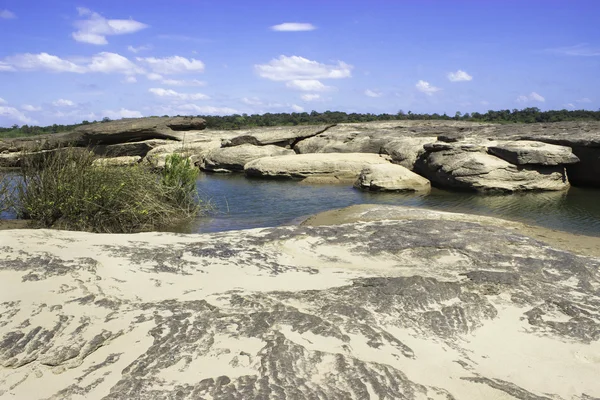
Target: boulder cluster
column 375, row 156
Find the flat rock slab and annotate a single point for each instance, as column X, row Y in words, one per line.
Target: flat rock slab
column 524, row 152
column 284, row 136
column 227, row 159
column 342, row 166
column 391, row 178
column 429, row 306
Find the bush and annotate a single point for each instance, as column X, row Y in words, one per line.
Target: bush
column 6, row 192
column 65, row 189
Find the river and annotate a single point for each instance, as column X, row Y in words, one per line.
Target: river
column 240, row 203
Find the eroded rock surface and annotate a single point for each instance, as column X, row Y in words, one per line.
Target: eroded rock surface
column 391, row 178
column 227, row 159
column 284, row 136
column 429, row 306
column 524, row 152
column 338, row 166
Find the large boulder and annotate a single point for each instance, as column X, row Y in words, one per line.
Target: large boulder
column 467, row 166
column 227, row 159
column 337, row 167
column 406, row 151
column 415, row 304
column 194, row 150
column 524, row 152
column 391, row 178
column 130, row 149
column 284, row 136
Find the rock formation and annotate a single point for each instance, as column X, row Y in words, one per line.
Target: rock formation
column 411, row 304
column 228, row 159
column 390, row 178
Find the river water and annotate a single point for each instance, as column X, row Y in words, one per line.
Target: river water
column 240, row 203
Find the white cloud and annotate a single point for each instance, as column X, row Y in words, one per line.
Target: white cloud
column 570, row 105
column 2, row 101
column 154, row 77
column 293, row 27
column 42, row 62
column 169, row 93
column 5, row 14
column 175, row 82
column 372, row 93
column 6, row 67
column 130, row 79
column 291, row 68
column 252, row 101
column 122, row 113
column 310, row 97
column 425, row 87
column 533, row 96
column 139, row 48
column 459, row 76
column 584, row 100
column 206, row 110
column 29, row 107
column 297, row 108
column 106, row 62
column 173, row 65
column 13, row 115
column 309, row 85
column 95, row 28
column 579, row 50
column 63, row 103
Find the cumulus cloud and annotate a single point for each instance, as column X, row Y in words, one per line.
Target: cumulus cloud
column 293, row 27
column 6, row 14
column 172, row 94
column 311, row 97
column 371, row 93
column 203, row 110
column 173, row 65
column 29, row 107
column 531, row 97
column 63, row 103
column 297, row 108
column 122, row 113
column 6, row 67
column 584, row 100
column 2, row 101
column 130, row 79
column 95, row 28
column 139, row 48
column 292, row 68
column 459, row 76
column 106, row 62
column 176, row 82
column 12, row 115
column 309, row 85
column 41, row 62
column 426, row 87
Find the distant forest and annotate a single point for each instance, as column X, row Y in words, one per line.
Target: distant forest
column 236, row 121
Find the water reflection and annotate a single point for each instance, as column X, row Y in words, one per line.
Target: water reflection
column 241, row 203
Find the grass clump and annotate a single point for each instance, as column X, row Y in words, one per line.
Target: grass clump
column 65, row 189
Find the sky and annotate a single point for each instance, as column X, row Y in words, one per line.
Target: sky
column 64, row 61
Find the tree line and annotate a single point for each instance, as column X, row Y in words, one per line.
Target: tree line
column 237, row 121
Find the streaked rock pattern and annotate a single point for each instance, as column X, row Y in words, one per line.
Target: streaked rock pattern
column 422, row 305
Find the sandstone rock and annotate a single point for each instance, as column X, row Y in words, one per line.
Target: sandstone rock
column 284, row 136
column 420, row 305
column 195, row 150
column 124, row 161
column 130, row 148
column 346, row 166
column 391, row 178
column 525, row 152
column 467, row 167
column 227, row 159
column 405, row 151
column 10, row 160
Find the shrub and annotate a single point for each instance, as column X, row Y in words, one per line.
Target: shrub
column 64, row 189
column 179, row 178
column 6, row 192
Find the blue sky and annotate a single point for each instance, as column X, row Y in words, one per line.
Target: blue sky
column 67, row 61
